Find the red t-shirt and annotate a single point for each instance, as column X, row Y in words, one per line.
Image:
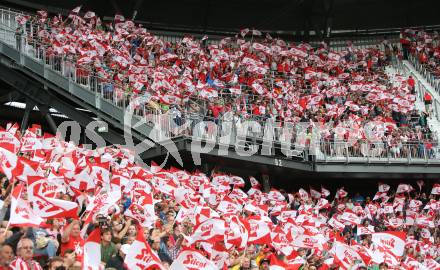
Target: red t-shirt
column 411, row 82
column 76, row 244
column 216, row 110
column 428, row 97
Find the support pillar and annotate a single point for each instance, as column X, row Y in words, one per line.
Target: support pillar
column 266, row 183
column 44, row 110
column 30, row 104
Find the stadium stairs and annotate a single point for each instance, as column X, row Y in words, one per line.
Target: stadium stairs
column 423, row 86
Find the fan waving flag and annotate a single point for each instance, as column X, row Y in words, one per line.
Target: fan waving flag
column 212, row 230
column 21, row 212
column 391, row 241
column 259, row 232
column 140, row 256
column 92, row 251
column 436, row 189
column 8, row 159
column 345, row 256
column 402, row 188
column 192, row 260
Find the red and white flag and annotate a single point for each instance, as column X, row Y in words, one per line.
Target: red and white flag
column 277, row 264
column 259, row 231
column 89, row 15
column 432, row 264
column 391, row 241
column 325, row 192
column 21, row 212
column 341, row 193
column 404, row 188
column 254, row 182
column 92, row 251
column 8, row 159
column 54, row 208
column 102, row 203
column 304, row 195
column 315, row 194
column 345, row 256
column 228, row 206
column 436, row 189
column 362, row 230
column 304, row 241
column 22, row 19
column 237, row 233
column 42, row 194
column 244, row 32
column 192, row 260
column 76, row 10
column 322, row 204
column 384, row 188
column 212, row 230
column 140, row 256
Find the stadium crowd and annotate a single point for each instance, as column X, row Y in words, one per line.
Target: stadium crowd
column 243, row 77
column 67, row 207
column 425, row 47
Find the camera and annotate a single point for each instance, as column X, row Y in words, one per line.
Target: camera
column 103, row 222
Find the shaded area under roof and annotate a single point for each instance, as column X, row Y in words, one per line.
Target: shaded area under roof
column 291, row 16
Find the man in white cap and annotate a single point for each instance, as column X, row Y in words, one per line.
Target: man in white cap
column 117, row 261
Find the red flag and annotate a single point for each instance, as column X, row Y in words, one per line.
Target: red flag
column 190, row 259
column 391, row 241
column 89, row 15
column 315, row 194
column 341, row 193
column 345, row 256
column 362, row 230
column 256, row 32
column 237, row 233
column 8, row 159
column 119, row 18
column 404, row 188
column 76, row 10
column 259, row 231
column 212, row 230
column 277, row 264
column 325, row 192
column 21, row 212
column 436, row 189
column 244, row 32
column 384, row 188
column 140, row 256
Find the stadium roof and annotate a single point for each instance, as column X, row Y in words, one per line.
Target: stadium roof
column 288, row 16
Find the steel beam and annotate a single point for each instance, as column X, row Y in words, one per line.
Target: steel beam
column 11, row 96
column 30, row 104
column 44, row 110
column 34, row 91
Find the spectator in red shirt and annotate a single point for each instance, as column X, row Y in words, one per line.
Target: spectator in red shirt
column 412, row 84
column 428, row 100
column 217, row 109
column 71, row 239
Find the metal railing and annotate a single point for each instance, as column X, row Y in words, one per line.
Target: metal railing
column 267, row 136
column 420, row 86
column 433, row 80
